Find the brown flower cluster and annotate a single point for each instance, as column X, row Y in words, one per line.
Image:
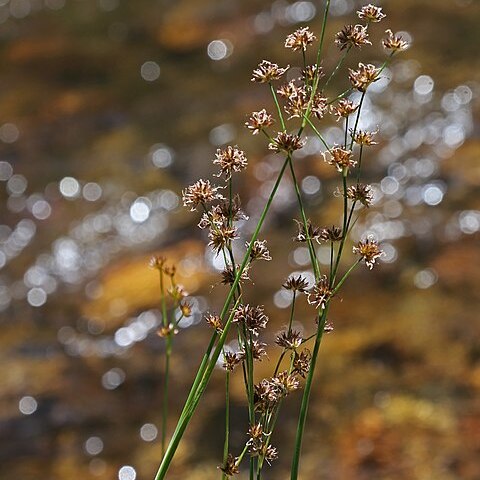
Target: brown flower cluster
column 341, row 158
column 201, row 192
column 352, row 36
column 321, row 293
column 364, row 76
column 267, row 72
column 230, row 159
column 369, row 251
column 360, row 193
column 258, row 121
column 300, row 39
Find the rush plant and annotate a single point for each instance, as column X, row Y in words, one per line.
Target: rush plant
column 299, row 107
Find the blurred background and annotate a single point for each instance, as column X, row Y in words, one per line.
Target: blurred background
column 108, row 109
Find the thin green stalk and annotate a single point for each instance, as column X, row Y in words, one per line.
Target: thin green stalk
column 337, row 67
column 227, row 420
column 306, row 396
column 279, row 110
column 168, row 353
column 202, row 378
column 319, row 135
column 311, row 249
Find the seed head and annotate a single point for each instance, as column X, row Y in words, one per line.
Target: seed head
column 229, row 274
column 296, row 284
column 360, row 193
column 369, row 251
column 332, row 234
column 301, row 363
column 186, row 308
column 310, row 72
column 259, row 251
column 200, row 193
column 258, row 121
column 340, row 158
column 270, row 454
column 363, row 77
column 268, row 71
column 230, row 467
column 221, row 237
column 157, row 262
column 362, row 137
column 286, row 382
column 167, row 331
column 394, row 43
column 300, row 39
column 310, row 233
column 257, row 350
column 343, row 108
column 285, row 142
column 177, row 292
column 230, row 361
column 321, row 293
column 252, row 317
column 352, row 36
column 215, row 322
column 289, row 340
column 371, row 13
column 230, row 159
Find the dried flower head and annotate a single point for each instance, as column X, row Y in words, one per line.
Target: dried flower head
column 268, row 71
column 177, row 292
column 352, row 36
column 230, row 159
column 310, row 233
column 301, row 363
column 252, row 317
column 321, row 293
column 369, row 251
column 332, row 234
column 310, row 72
column 296, row 284
column 371, row 13
column 229, row 274
column 270, row 453
column 362, row 137
column 363, row 76
column 257, row 350
column 394, row 43
column 340, row 158
column 200, row 193
column 186, row 308
column 289, row 90
column 289, row 340
column 157, row 262
column 266, row 395
column 286, row 142
column 259, row 250
column 230, row 467
column 215, row 322
column 343, row 108
column 258, row 121
column 167, row 331
column 360, row 193
column 221, row 237
column 230, row 361
column 319, row 105
column 328, row 328
column 286, row 382
column 300, row 39
column 222, row 214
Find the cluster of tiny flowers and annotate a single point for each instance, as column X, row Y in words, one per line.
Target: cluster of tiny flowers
column 200, row 193
column 394, row 43
column 286, row 142
column 343, row 108
column 361, row 137
column 341, row 158
column 364, row 76
column 231, row 159
column 267, row 72
column 296, row 284
column 321, row 293
column 253, row 317
column 290, row 339
column 258, row 121
column 352, row 36
column 271, row 390
column 259, row 250
column 360, row 193
column 369, row 251
column 300, row 39
column 371, row 13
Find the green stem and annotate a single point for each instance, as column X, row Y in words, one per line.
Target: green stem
column 306, row 396
column 279, row 110
column 168, row 353
column 311, row 249
column 227, row 420
column 208, row 364
column 319, row 135
column 337, row 67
